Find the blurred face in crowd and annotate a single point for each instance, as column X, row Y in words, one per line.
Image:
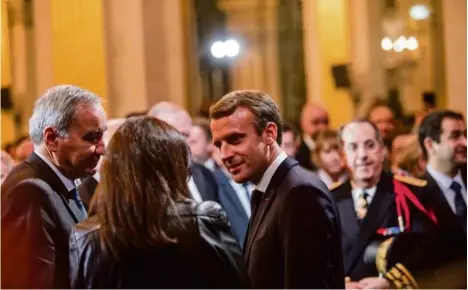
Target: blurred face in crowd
column 363, row 153
column 78, row 153
column 24, row 149
column 383, row 118
column 329, row 158
column 182, row 122
column 451, row 150
column 7, row 165
column 289, row 144
column 314, row 119
column 243, row 151
column 199, row 144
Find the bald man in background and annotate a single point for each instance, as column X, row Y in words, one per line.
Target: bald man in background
column 314, row 118
column 88, row 185
column 202, row 184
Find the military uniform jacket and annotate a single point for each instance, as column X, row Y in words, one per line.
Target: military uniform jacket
column 381, row 214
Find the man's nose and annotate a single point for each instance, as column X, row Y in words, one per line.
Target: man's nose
column 100, row 148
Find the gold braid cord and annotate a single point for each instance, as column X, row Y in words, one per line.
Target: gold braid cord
column 398, row 275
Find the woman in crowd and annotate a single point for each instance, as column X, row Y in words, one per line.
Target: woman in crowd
column 7, row 165
column 409, row 160
column 146, row 231
column 327, row 157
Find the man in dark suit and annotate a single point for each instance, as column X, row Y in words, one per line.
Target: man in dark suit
column 202, row 184
column 233, row 197
column 293, row 240
column 442, row 136
column 314, row 118
column 40, row 203
column 374, row 206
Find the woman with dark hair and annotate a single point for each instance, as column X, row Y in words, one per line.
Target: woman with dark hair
column 146, row 231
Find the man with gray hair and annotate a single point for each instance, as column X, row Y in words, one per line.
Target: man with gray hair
column 39, row 200
column 202, row 184
column 89, row 184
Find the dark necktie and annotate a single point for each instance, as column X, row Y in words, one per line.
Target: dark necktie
column 79, row 203
column 255, row 202
column 460, row 205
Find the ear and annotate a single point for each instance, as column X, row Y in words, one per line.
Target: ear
column 50, row 138
column 428, row 145
column 271, row 133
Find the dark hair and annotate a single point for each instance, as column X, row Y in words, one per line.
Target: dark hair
column 259, row 103
column 144, row 175
column 288, row 127
column 361, row 121
column 431, row 126
column 203, row 124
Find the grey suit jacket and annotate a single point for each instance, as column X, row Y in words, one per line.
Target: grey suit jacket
column 38, row 214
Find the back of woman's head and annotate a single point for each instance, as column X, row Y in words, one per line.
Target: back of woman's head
column 143, row 175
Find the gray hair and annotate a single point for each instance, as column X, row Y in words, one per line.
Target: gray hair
column 56, row 108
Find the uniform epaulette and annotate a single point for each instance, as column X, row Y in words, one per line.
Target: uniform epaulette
column 334, row 185
column 410, row 180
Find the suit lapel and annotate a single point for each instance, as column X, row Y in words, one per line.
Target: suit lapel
column 443, row 211
column 344, row 202
column 267, row 200
column 46, row 173
column 383, row 199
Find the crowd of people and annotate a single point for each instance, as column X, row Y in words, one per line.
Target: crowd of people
column 233, row 198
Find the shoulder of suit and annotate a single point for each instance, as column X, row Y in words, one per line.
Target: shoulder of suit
column 410, row 180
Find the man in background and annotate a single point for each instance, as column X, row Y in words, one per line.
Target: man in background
column 314, row 118
column 202, row 184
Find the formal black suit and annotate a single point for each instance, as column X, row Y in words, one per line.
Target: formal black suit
column 451, row 232
column 294, row 239
column 381, row 213
column 232, row 205
column 304, row 157
column 38, row 214
column 205, row 182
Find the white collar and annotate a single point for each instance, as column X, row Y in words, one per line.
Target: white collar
column 309, row 142
column 268, row 175
column 69, row 184
column 356, row 192
column 210, row 164
column 444, row 181
column 325, row 177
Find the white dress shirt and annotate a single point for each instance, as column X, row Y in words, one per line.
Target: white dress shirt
column 444, row 182
column 323, row 175
column 194, row 190
column 268, row 175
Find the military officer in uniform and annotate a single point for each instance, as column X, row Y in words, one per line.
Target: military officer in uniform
column 374, row 207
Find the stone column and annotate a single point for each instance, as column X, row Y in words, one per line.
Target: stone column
column 327, row 42
column 147, row 54
column 454, row 39
column 367, row 69
column 254, row 24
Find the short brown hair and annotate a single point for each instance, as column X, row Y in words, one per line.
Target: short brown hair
column 320, row 139
column 259, row 103
column 144, row 175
